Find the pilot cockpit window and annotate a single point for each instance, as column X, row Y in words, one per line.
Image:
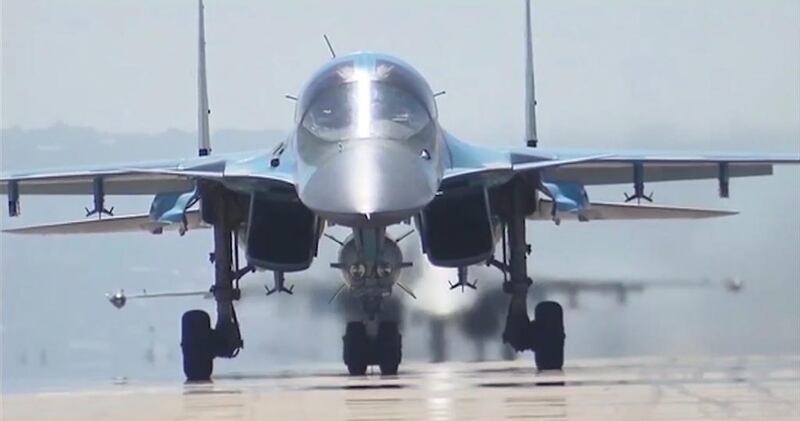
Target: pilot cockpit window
column 365, row 109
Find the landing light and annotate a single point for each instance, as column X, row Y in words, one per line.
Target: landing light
column 384, row 270
column 357, row 270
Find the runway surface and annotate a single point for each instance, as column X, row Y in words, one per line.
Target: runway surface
column 746, row 388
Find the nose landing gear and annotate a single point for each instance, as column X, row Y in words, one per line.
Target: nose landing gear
column 356, row 352
column 360, row 350
column 388, row 348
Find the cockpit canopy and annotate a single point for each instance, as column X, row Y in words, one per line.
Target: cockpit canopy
column 366, row 96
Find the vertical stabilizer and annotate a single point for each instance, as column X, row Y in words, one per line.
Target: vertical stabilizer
column 531, row 137
column 203, row 138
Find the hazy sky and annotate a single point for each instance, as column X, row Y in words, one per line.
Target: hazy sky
column 612, row 69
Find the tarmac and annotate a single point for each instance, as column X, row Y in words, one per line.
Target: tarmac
column 655, row 388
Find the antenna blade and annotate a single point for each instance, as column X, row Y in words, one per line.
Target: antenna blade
column 338, row 291
column 531, row 137
column 330, row 47
column 334, row 239
column 203, row 138
column 407, row 290
column 403, row 237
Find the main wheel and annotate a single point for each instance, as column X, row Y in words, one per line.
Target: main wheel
column 197, row 345
column 548, row 336
column 389, row 347
column 356, row 348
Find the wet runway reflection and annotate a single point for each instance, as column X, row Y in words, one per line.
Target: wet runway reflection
column 635, row 389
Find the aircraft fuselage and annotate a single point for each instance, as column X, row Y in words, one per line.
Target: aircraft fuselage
column 368, row 145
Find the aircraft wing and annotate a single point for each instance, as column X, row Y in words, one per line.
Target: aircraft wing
column 112, row 224
column 620, row 168
column 117, row 179
column 471, row 162
column 146, row 178
column 625, row 211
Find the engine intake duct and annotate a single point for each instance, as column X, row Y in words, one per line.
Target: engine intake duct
column 456, row 229
column 282, row 235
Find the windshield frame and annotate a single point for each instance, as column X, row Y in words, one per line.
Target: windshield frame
column 380, row 68
column 365, row 109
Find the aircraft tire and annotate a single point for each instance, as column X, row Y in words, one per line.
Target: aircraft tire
column 548, row 331
column 196, row 344
column 389, row 348
column 356, row 348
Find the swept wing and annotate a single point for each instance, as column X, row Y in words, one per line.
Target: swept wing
column 626, row 211
column 472, row 163
column 149, row 177
column 128, row 223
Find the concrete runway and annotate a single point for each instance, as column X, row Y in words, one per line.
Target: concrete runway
column 746, row 388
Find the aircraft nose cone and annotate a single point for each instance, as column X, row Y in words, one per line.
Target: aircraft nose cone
column 372, row 184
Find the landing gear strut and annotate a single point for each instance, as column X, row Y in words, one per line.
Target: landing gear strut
column 544, row 335
column 201, row 344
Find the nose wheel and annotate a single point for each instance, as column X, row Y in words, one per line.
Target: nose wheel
column 388, row 348
column 356, row 352
column 360, row 350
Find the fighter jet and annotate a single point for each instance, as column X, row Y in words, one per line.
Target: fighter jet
column 367, row 152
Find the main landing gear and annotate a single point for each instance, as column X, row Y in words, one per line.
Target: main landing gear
column 199, row 342
column 545, row 334
column 361, row 350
